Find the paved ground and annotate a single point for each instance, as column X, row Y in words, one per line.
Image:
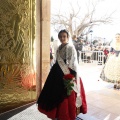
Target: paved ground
column 103, row 101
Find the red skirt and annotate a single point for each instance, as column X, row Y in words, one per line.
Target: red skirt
column 67, row 109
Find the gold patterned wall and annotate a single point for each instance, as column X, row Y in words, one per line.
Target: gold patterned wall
column 17, row 34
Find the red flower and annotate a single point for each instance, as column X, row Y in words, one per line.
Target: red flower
column 68, row 77
column 68, row 83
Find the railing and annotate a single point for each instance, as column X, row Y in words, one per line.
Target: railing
column 94, row 57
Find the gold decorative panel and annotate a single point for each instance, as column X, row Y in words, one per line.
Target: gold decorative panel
column 17, row 35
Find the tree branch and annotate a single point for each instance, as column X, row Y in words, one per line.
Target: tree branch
column 77, row 24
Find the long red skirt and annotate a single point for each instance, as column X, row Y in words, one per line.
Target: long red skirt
column 67, row 109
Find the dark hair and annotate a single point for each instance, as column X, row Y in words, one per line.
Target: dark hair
column 63, row 31
column 118, row 34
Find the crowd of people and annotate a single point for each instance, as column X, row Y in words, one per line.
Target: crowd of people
column 108, row 54
column 85, row 51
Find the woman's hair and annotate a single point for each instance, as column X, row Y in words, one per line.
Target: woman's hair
column 63, row 31
column 118, row 34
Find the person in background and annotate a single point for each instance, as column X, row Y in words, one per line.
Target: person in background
column 112, row 66
column 80, row 46
column 77, row 45
column 106, row 52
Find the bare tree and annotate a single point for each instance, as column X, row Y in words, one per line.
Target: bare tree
column 76, row 22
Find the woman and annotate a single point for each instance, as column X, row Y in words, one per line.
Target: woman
column 54, row 100
column 112, row 67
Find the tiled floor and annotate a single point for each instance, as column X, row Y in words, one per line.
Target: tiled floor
column 30, row 113
column 103, row 101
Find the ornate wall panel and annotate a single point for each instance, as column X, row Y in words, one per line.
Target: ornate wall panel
column 17, row 34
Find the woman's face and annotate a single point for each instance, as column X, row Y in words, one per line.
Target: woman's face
column 117, row 37
column 63, row 38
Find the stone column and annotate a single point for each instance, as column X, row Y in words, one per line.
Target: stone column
column 42, row 42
